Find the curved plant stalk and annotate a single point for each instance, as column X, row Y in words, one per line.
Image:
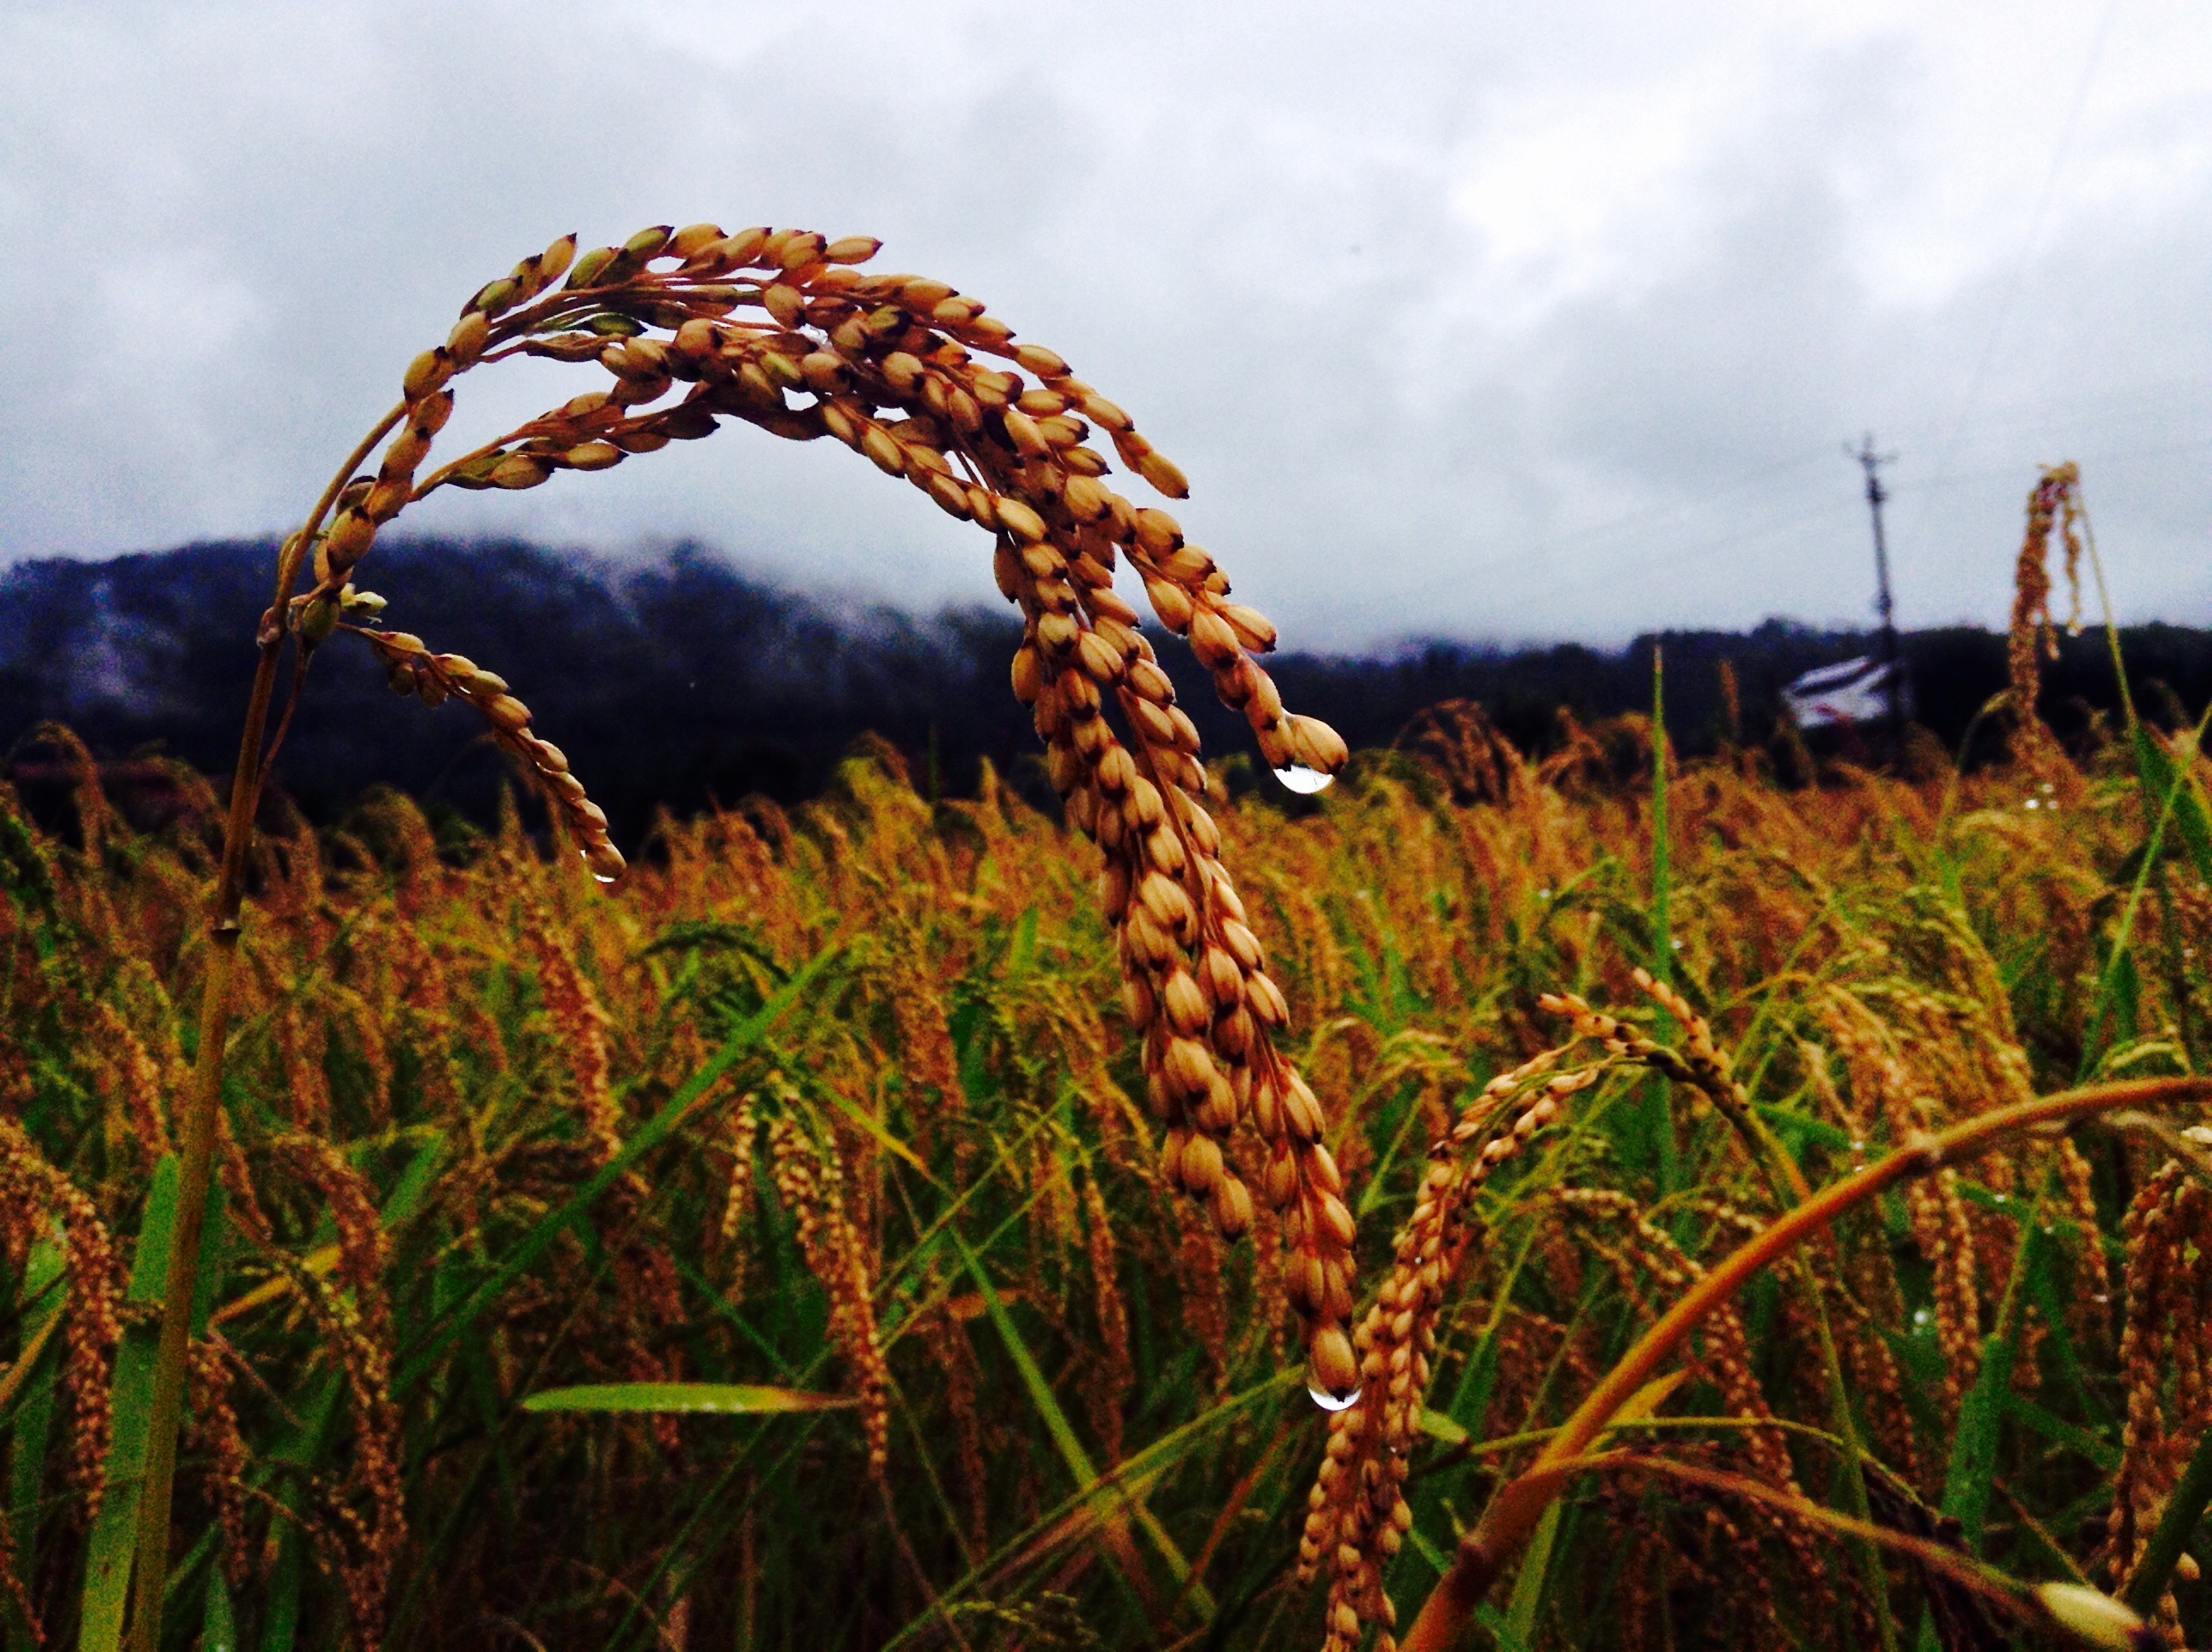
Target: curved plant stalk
column 2050, row 1607
column 164, row 1412
column 1512, row 1515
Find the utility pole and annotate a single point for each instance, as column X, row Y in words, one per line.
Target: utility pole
column 1885, row 649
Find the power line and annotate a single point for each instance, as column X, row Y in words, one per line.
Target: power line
column 2023, row 470
column 2059, row 155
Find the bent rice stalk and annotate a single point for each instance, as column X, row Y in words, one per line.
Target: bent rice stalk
column 1512, row 1514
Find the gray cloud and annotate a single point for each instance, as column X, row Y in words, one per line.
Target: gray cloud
column 1482, row 322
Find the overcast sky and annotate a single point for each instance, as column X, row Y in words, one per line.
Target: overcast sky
column 1496, row 321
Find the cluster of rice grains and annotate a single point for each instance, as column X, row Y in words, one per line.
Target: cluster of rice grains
column 42, row 1207
column 811, row 1183
column 1356, row 1515
column 780, row 329
column 2165, row 1360
column 2054, row 506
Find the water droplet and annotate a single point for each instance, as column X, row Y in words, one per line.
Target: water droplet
column 1298, row 777
column 2004, row 1199
column 1858, row 1146
column 1543, row 895
column 602, row 877
column 1676, row 943
column 1329, row 1401
column 1921, row 1316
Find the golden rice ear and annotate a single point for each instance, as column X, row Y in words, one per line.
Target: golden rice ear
column 413, row 668
column 92, row 1326
column 811, row 1186
column 1376, row 1382
column 2054, row 505
column 782, row 329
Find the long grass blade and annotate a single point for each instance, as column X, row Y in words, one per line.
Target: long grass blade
column 2176, row 1526
column 685, row 1399
column 1063, row 1433
column 107, row 1553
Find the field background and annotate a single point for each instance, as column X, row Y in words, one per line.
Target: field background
column 850, row 1076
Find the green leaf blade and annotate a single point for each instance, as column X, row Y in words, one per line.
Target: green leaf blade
column 684, row 1399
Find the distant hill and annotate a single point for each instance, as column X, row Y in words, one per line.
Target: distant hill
column 683, row 681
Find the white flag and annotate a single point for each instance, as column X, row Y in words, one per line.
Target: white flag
column 1854, row 691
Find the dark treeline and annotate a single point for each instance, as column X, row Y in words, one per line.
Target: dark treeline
column 682, row 682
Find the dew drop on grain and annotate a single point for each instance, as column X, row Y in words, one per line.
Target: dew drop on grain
column 1329, row 1401
column 1298, row 777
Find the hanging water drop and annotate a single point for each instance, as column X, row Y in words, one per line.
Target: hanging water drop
column 1300, row 779
column 1329, row 1401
